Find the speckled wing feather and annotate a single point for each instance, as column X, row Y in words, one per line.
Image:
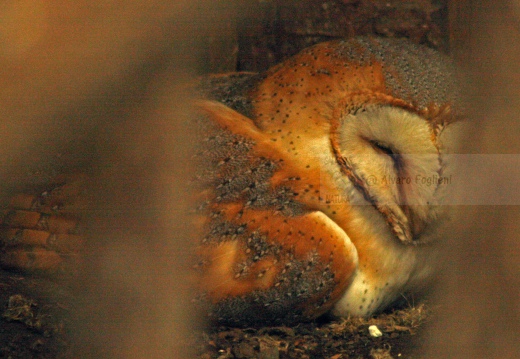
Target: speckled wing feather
column 275, row 245
column 264, row 255
column 272, row 163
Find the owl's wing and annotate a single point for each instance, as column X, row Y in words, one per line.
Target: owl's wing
column 264, row 256
column 39, row 228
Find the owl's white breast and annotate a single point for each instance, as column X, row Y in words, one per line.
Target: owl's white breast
column 387, row 267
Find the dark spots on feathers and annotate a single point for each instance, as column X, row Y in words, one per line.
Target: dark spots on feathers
column 285, row 299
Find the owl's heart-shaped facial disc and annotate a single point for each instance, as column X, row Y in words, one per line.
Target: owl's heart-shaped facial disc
column 318, row 186
column 312, row 181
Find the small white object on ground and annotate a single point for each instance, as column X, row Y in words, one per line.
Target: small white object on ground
column 374, row 331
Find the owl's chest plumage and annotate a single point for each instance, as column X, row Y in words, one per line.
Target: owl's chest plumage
column 331, row 240
column 283, row 237
column 306, row 196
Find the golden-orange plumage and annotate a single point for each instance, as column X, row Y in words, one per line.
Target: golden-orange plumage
column 297, row 213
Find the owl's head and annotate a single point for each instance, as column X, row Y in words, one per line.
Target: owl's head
column 316, row 176
column 395, row 158
column 384, row 108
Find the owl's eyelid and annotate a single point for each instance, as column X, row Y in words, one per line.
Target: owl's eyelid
column 387, row 150
column 382, row 147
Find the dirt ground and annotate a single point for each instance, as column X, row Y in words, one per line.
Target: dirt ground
column 36, row 317
column 36, row 314
column 327, row 338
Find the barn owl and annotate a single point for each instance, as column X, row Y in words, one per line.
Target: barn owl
column 319, row 185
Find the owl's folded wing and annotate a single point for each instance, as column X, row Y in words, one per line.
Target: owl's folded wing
column 264, row 255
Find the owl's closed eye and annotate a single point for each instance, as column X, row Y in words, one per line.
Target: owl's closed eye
column 319, row 185
column 323, row 181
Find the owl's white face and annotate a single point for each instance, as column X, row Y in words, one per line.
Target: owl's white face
column 397, row 179
column 321, row 181
column 359, row 120
column 393, row 154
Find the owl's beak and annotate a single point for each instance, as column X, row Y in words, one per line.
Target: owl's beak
column 404, row 222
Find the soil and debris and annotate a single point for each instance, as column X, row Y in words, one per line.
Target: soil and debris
column 328, row 338
column 36, row 316
column 35, row 313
